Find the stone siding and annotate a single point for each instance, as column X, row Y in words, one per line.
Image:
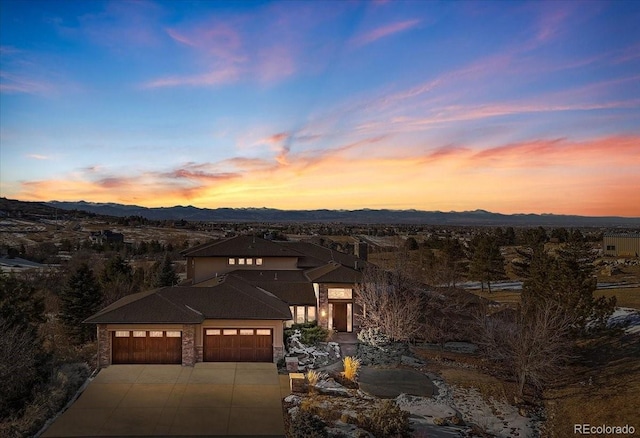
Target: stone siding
column 323, row 306
column 189, row 354
column 104, row 346
column 278, row 353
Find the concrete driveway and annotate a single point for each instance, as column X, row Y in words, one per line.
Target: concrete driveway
column 210, row 399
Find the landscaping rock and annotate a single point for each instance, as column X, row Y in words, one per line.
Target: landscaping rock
column 294, row 399
column 411, row 361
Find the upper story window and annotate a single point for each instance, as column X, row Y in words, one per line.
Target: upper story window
column 249, row 261
column 232, row 261
column 258, row 261
column 241, row 261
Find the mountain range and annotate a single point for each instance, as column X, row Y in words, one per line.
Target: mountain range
column 362, row 216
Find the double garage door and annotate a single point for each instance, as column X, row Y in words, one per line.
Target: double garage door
column 146, row 346
column 238, row 345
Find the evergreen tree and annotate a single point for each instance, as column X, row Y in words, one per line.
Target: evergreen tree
column 117, row 279
column 486, row 262
column 167, row 276
column 568, row 281
column 23, row 361
column 79, row 300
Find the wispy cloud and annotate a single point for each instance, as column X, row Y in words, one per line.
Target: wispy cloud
column 38, row 157
column 383, row 31
column 224, row 75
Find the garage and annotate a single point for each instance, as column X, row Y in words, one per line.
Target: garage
column 238, row 345
column 146, row 347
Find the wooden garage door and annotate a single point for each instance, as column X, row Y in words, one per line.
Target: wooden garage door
column 238, row 345
column 146, row 346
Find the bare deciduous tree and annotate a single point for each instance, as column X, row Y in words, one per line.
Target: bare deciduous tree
column 531, row 343
column 390, row 302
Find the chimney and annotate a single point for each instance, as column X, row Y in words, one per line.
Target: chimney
column 275, row 275
column 361, row 250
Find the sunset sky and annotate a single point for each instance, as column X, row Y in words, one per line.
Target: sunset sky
column 512, row 107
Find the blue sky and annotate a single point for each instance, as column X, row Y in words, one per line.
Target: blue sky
column 506, row 106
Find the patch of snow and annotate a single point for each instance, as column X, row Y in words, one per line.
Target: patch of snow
column 495, row 417
column 425, row 407
column 295, row 399
column 626, row 316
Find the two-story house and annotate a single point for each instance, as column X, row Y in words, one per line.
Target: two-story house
column 239, row 294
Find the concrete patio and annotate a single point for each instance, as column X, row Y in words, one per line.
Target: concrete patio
column 210, row 399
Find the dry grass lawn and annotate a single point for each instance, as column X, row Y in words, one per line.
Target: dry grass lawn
column 603, row 387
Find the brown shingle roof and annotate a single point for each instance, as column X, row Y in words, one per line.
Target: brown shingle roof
column 333, row 272
column 230, row 298
column 292, row 287
column 241, row 246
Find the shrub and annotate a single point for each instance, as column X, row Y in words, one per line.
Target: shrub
column 351, row 367
column 311, row 333
column 373, row 337
column 307, row 425
column 313, row 377
column 387, row 420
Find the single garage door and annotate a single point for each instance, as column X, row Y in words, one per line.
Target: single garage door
column 238, row 345
column 146, row 346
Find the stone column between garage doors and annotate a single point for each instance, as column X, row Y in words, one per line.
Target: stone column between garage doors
column 104, row 346
column 189, row 345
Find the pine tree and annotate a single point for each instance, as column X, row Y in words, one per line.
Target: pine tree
column 486, row 261
column 79, row 300
column 167, row 276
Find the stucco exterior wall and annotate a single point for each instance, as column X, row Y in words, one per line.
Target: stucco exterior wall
column 204, row 268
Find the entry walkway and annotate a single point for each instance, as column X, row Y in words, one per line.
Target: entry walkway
column 210, row 399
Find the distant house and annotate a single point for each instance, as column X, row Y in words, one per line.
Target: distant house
column 106, row 236
column 621, row 244
column 239, row 295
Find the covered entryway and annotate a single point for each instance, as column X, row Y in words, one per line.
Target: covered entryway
column 146, row 347
column 238, row 345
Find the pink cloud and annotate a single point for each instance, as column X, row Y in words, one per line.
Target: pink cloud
column 217, row 77
column 383, row 31
column 15, row 83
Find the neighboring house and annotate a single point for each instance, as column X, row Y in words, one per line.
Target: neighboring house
column 239, row 294
column 106, row 236
column 621, row 244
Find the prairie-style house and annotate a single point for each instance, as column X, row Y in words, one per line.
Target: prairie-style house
column 239, row 295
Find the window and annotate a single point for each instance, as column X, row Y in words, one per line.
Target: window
column 139, row 334
column 241, row 261
column 246, row 332
column 213, row 332
column 611, row 247
column 173, row 334
column 232, row 261
column 230, row 332
column 122, row 333
column 155, row 334
column 249, row 261
column 311, row 313
column 300, row 314
column 263, row 332
column 258, row 261
column 336, row 293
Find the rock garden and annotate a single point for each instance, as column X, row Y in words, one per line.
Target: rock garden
column 336, row 399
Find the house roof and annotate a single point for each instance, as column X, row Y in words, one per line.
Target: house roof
column 241, row 246
column 333, row 272
column 292, row 287
column 315, row 255
column 227, row 298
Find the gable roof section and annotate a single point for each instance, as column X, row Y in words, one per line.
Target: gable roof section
column 241, row 246
column 293, row 287
column 316, row 255
column 230, row 298
column 333, row 272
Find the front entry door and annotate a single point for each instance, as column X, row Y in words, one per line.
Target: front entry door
column 340, row 316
